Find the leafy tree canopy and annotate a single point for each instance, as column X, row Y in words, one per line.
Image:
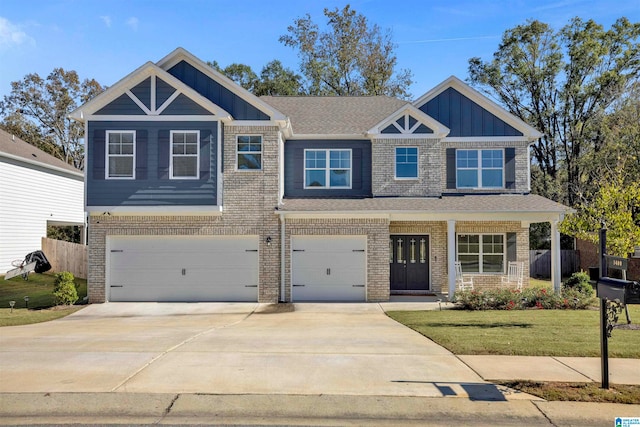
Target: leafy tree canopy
column 274, row 78
column 562, row 83
column 36, row 110
column 351, row 57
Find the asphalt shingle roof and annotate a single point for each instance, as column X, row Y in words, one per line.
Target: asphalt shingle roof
column 498, row 203
column 16, row 147
column 334, row 115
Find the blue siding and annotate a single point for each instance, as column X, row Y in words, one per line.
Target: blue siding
column 464, row 117
column 152, row 186
column 294, row 168
column 143, row 92
column 123, row 105
column 184, row 106
column 163, row 91
column 216, row 93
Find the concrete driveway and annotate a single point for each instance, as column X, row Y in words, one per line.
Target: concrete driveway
column 219, row 348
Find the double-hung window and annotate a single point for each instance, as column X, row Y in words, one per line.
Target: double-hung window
column 249, row 151
column 121, row 154
column 480, row 168
column 406, row 162
column 185, row 146
column 327, row 168
column 481, row 253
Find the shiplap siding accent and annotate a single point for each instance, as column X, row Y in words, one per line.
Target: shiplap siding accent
column 30, row 196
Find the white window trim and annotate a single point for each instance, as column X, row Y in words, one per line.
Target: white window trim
column 479, row 169
column 244, row 152
column 107, row 155
column 327, row 169
column 197, row 176
column 481, row 254
column 395, row 164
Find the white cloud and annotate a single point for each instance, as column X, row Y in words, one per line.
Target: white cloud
column 133, row 23
column 107, row 20
column 12, row 35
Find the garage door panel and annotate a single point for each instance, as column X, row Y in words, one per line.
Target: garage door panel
column 328, row 268
column 181, row 268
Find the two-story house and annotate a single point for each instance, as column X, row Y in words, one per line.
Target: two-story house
column 199, row 191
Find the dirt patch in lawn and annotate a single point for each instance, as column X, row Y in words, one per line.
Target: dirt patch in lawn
column 578, row 392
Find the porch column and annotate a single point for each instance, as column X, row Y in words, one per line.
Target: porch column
column 556, row 267
column 451, row 256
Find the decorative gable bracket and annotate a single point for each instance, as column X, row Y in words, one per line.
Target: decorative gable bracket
column 408, row 122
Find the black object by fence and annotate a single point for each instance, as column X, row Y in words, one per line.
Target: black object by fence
column 540, row 263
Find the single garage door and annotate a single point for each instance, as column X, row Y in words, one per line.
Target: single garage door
column 183, row 268
column 328, row 268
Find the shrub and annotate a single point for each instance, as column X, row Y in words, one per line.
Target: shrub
column 529, row 298
column 579, row 282
column 64, row 289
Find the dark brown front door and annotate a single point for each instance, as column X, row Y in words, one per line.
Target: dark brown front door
column 409, row 262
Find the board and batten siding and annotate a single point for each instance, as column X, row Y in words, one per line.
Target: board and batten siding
column 30, row 197
column 152, row 185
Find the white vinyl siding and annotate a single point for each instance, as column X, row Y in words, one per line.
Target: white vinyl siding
column 121, row 154
column 31, row 197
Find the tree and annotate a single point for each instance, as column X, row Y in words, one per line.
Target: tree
column 274, row 78
column 351, row 58
column 561, row 82
column 37, row 110
column 616, row 204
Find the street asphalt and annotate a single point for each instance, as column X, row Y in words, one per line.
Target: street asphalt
column 288, row 364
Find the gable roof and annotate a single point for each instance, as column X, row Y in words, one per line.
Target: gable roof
column 124, row 86
column 14, row 148
column 453, row 82
column 334, row 115
column 438, row 130
column 181, row 54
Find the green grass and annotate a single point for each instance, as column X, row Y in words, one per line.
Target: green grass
column 523, row 332
column 39, row 289
column 578, row 392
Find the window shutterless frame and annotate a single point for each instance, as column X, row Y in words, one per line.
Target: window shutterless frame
column 325, row 164
column 184, row 154
column 477, row 169
column 120, row 154
column 406, row 158
column 249, row 153
column 480, row 246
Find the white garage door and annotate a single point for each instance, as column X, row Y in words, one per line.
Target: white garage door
column 183, row 268
column 328, row 268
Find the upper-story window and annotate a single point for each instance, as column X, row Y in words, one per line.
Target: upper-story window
column 327, row 168
column 184, row 154
column 480, row 168
column 121, row 154
column 406, row 162
column 481, row 253
column 249, row 151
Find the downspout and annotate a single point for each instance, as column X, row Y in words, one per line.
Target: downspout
column 282, row 258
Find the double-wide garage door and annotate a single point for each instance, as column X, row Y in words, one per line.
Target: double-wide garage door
column 181, row 268
column 328, row 268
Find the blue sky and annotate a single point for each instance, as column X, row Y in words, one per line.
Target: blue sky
column 106, row 40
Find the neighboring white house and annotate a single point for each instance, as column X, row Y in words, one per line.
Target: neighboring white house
column 36, row 190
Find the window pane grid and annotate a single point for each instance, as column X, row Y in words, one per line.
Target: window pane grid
column 406, row 162
column 120, row 154
column 249, row 148
column 334, row 174
column 488, row 173
column 481, row 253
column 184, row 154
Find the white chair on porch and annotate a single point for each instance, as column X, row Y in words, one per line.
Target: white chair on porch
column 463, row 282
column 515, row 273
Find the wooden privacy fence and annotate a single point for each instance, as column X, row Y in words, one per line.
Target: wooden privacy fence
column 540, row 263
column 65, row 256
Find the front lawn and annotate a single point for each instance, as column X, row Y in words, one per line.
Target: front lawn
column 39, row 289
column 523, row 332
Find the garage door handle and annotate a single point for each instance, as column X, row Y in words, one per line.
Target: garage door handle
column 117, row 286
column 358, row 286
column 358, row 250
column 250, row 286
column 251, row 250
column 298, row 250
column 117, row 250
column 295, row 286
